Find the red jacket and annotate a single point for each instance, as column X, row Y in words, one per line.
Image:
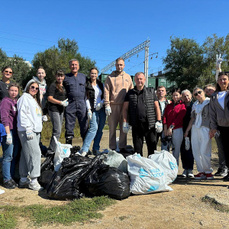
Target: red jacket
column 174, row 115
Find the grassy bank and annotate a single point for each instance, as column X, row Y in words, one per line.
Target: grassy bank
column 80, row 210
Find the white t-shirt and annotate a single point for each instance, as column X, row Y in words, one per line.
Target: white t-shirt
column 221, row 98
column 98, row 94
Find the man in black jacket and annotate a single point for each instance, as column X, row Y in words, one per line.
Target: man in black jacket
column 142, row 108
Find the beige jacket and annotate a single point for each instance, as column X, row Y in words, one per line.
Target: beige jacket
column 115, row 88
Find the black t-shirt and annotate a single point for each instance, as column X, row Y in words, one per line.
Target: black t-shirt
column 58, row 95
column 141, row 109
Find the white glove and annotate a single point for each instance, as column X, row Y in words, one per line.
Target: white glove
column 44, row 118
column 125, row 127
column 187, row 143
column 158, row 127
column 8, row 139
column 108, row 110
column 219, row 61
column 99, row 106
column 89, row 114
column 64, row 103
column 29, row 134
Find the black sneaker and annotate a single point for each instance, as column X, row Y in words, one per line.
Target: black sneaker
column 69, row 140
column 218, row 173
column 226, row 178
column 9, row 184
column 13, row 181
column 221, row 172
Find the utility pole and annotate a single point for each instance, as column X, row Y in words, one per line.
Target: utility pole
column 127, row 55
column 146, row 64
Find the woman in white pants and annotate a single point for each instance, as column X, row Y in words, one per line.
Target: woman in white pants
column 201, row 142
column 29, row 123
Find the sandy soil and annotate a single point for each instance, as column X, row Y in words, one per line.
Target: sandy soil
column 180, row 208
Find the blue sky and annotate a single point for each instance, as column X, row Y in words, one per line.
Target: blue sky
column 104, row 30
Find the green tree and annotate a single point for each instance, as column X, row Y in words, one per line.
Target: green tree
column 214, row 45
column 184, row 62
column 18, row 64
column 58, row 58
column 3, row 58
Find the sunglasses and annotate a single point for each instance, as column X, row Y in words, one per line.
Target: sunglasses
column 8, row 72
column 198, row 93
column 34, row 88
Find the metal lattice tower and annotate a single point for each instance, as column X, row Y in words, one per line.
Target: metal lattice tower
column 127, row 55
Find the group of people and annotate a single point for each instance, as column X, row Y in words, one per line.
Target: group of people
column 182, row 124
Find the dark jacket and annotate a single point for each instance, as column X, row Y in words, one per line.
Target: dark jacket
column 91, row 92
column 149, row 98
column 75, row 87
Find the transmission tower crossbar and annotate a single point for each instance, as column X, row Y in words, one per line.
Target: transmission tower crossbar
column 128, row 54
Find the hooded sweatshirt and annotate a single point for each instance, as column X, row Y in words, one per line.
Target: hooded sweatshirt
column 42, row 89
column 8, row 111
column 115, row 88
column 29, row 114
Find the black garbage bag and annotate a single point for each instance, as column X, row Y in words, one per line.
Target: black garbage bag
column 74, row 150
column 106, row 180
column 47, row 171
column 65, row 183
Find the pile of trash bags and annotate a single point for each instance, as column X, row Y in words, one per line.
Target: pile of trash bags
column 108, row 173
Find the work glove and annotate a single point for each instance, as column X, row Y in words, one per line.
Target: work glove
column 108, row 110
column 44, row 118
column 8, row 139
column 64, row 103
column 159, row 127
column 99, row 106
column 89, row 114
column 219, row 61
column 187, row 143
column 125, row 127
column 29, row 134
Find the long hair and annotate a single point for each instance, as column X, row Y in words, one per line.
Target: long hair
column 59, row 73
column 37, row 96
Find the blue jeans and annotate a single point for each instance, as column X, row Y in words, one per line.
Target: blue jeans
column 10, row 153
column 56, row 119
column 95, row 130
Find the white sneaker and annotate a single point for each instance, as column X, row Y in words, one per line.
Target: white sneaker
column 190, row 174
column 1, row 191
column 184, row 174
column 35, row 186
column 83, row 154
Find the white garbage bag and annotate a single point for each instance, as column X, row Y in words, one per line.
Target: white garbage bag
column 168, row 163
column 61, row 151
column 146, row 176
column 114, row 159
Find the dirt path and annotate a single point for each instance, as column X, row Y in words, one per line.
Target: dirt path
column 180, row 208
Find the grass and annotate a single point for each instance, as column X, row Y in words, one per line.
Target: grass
column 47, row 130
column 81, row 210
column 217, row 206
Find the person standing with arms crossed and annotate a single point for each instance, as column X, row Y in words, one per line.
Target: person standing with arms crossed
column 117, row 84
